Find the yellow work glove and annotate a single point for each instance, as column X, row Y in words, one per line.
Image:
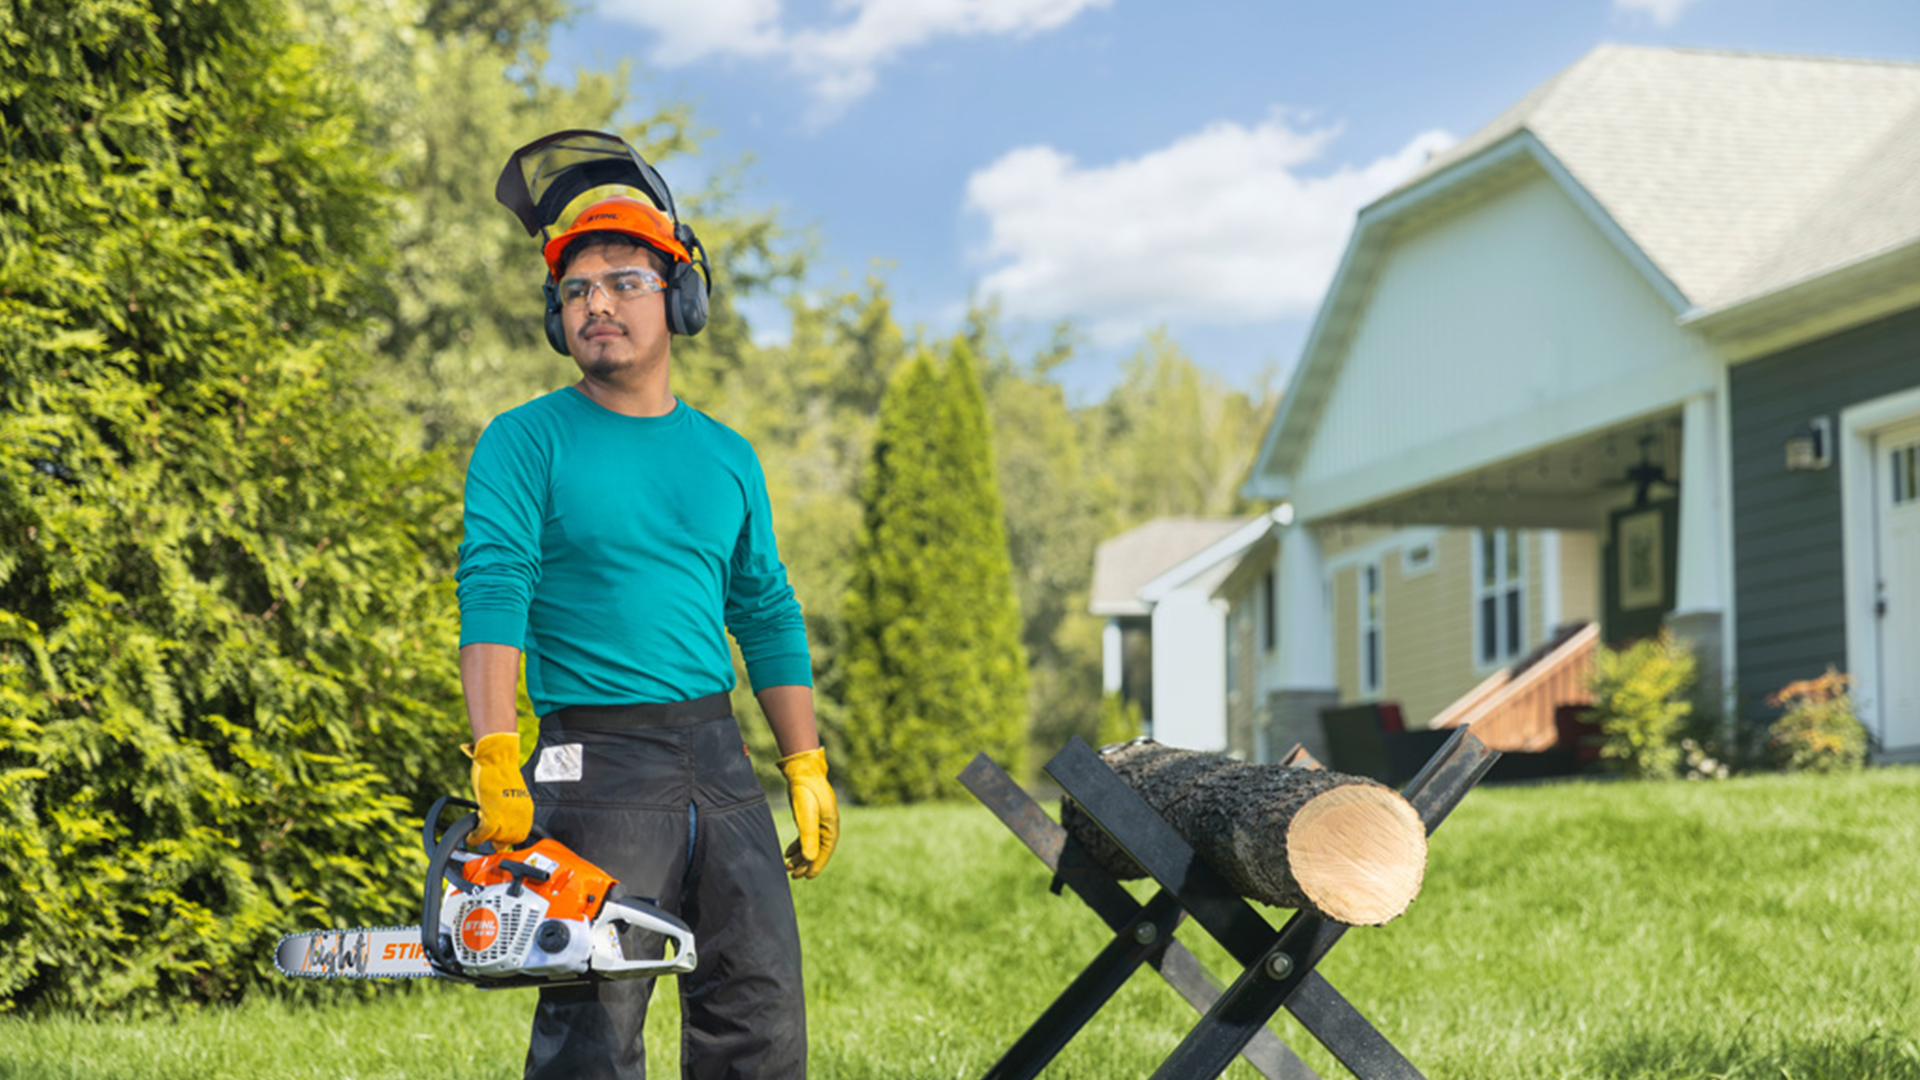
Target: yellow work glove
column 506, row 810
column 815, row 811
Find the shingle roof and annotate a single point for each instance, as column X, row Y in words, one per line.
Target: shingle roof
column 1735, row 173
column 1126, row 562
column 1726, row 178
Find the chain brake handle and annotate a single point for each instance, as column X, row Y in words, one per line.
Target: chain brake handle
column 441, row 846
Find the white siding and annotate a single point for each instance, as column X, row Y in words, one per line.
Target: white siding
column 1190, row 670
column 1510, row 325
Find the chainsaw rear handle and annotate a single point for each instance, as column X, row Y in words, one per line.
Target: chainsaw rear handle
column 623, row 910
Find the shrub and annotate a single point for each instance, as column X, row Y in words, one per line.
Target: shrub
column 1819, row 732
column 226, row 628
column 1640, row 701
column 935, row 670
column 1702, row 761
column 1119, row 720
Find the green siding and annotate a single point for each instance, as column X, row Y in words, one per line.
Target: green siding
column 1787, row 540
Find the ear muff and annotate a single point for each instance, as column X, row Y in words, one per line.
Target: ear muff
column 556, row 326
column 688, row 286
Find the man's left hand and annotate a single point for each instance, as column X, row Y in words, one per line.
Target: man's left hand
column 815, row 811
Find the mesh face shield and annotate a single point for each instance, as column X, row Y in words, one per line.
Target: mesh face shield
column 549, row 181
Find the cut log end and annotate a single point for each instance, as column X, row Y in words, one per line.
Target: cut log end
column 1359, row 853
column 1343, row 847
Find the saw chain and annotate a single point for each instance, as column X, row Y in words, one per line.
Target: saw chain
column 386, row 952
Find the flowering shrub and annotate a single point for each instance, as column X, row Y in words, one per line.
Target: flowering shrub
column 1640, row 702
column 1701, row 762
column 1819, row 732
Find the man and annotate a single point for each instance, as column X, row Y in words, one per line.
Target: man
column 611, row 532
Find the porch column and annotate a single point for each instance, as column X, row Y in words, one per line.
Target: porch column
column 1111, row 673
column 1698, row 590
column 1305, row 681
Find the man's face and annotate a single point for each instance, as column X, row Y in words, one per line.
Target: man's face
column 614, row 337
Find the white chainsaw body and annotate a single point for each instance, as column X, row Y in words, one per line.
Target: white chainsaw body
column 497, row 934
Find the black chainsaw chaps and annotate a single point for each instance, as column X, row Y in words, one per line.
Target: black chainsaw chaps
column 663, row 798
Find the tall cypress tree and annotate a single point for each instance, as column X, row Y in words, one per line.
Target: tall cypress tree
column 935, row 672
column 226, row 621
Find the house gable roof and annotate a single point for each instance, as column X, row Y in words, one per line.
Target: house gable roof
column 1719, row 176
column 1715, row 163
column 1123, row 564
column 1211, row 565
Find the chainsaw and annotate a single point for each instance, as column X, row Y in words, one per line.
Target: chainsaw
column 537, row 916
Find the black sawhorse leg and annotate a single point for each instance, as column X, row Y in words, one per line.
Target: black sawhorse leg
column 1279, row 966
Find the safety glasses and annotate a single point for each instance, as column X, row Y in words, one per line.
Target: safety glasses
column 622, row 283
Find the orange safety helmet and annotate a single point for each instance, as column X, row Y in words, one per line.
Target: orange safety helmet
column 619, row 214
column 569, row 183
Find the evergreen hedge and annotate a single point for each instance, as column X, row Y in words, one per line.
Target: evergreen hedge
column 935, row 671
column 226, row 623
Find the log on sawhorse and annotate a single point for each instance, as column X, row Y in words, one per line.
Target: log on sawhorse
column 1278, row 965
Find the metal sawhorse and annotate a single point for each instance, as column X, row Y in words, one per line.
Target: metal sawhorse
column 1279, row 965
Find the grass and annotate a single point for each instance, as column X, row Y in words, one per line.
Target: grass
column 1755, row 929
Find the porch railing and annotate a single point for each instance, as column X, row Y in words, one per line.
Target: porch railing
column 1513, row 709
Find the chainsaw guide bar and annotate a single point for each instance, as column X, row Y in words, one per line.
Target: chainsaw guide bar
column 387, row 952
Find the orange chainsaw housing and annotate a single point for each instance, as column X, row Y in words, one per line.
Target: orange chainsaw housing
column 574, row 889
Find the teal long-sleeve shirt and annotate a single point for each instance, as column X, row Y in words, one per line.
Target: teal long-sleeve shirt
column 617, row 552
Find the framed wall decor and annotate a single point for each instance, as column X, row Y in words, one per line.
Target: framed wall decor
column 1639, row 565
column 1643, row 567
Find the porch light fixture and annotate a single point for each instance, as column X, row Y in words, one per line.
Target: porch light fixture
column 1811, row 448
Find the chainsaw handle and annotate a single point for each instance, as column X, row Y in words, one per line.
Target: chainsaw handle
column 440, row 850
column 439, row 860
column 621, row 909
column 430, row 840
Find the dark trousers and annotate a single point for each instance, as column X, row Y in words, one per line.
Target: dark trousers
column 666, row 802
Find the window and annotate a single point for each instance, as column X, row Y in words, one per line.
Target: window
column 1906, row 474
column 1416, row 558
column 1235, row 615
column 1269, row 613
column 1370, row 631
column 1499, row 591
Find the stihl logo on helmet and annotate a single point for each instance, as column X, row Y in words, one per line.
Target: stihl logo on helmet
column 479, row 929
column 627, row 216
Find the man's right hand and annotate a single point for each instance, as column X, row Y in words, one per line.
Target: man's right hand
column 506, row 810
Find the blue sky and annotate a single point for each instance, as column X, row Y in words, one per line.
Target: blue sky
column 1124, row 163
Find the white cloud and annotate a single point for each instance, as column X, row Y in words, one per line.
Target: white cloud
column 1663, row 12
column 840, row 61
column 1220, row 227
column 746, row 27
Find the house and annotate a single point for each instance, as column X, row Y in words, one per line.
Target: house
column 1419, row 617
column 1644, row 305
column 1155, row 585
column 1826, row 506
column 1422, row 616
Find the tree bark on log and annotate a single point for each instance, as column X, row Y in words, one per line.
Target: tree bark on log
column 1344, row 847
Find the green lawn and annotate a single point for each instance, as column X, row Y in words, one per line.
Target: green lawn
column 1758, row 928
